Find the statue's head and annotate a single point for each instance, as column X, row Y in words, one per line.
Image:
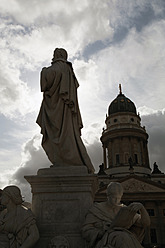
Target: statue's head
column 114, row 193
column 60, row 53
column 59, row 242
column 13, row 193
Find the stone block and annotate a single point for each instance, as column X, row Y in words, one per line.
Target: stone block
column 61, row 199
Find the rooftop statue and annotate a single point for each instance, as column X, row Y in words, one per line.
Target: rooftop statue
column 17, row 224
column 111, row 224
column 59, row 116
column 156, row 169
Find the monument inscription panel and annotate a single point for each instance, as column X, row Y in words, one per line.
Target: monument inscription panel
column 57, row 211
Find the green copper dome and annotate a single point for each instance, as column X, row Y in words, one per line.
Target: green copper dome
column 121, row 104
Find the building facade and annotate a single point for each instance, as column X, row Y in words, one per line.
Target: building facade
column 126, row 160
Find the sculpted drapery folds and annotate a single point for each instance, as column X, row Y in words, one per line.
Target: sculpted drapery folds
column 112, row 225
column 17, row 223
column 59, row 116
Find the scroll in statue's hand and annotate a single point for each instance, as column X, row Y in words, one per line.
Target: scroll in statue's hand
column 124, row 218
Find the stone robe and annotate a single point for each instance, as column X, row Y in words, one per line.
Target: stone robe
column 59, row 117
column 128, row 235
column 14, row 227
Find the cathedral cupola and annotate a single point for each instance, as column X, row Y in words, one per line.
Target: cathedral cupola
column 121, row 104
column 124, row 139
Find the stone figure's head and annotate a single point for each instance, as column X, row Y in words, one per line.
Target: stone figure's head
column 114, row 193
column 59, row 242
column 11, row 193
column 59, row 53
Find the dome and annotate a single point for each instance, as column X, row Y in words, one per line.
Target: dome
column 121, row 104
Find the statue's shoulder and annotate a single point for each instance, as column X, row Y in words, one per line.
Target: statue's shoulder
column 45, row 69
column 97, row 206
column 24, row 211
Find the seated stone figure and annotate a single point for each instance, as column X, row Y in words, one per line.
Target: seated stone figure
column 111, row 224
column 17, row 224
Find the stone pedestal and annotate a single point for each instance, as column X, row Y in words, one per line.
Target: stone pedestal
column 61, row 199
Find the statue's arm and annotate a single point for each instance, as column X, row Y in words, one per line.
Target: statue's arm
column 49, row 80
column 93, row 229
column 32, row 237
column 2, row 214
column 137, row 206
column 145, row 219
column 43, row 80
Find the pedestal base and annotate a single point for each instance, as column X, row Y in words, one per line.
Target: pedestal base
column 61, row 199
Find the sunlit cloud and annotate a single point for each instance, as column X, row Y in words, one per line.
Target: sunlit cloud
column 131, row 52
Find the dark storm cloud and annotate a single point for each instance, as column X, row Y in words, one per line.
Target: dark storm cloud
column 155, row 127
column 136, row 15
column 35, row 160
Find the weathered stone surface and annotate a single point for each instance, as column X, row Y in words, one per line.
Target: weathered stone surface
column 59, row 242
column 17, row 223
column 61, row 199
column 133, row 185
column 111, row 224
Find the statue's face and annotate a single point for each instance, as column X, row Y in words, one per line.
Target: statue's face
column 114, row 198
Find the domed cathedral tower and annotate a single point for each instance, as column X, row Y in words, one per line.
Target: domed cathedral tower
column 124, row 140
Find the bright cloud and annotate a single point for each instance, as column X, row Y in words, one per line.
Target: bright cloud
column 108, row 42
column 138, row 63
column 154, row 124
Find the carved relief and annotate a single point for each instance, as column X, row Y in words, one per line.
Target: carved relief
column 133, row 185
column 58, row 242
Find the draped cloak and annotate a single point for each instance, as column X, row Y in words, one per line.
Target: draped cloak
column 118, row 237
column 14, row 229
column 60, row 118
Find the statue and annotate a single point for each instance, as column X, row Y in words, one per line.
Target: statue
column 17, row 224
column 111, row 224
column 156, row 169
column 59, row 242
column 1, row 206
column 59, row 116
column 131, row 165
column 101, row 170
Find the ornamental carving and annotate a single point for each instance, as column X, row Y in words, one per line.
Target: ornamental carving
column 133, row 185
column 58, row 242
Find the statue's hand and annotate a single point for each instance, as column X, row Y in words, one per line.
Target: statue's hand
column 135, row 206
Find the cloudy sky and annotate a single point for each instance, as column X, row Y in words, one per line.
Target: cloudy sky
column 109, row 42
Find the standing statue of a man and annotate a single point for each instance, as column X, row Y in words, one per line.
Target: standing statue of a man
column 59, row 116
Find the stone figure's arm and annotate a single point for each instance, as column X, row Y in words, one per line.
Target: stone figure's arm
column 43, row 81
column 32, row 237
column 47, row 78
column 137, row 206
column 93, row 229
column 2, row 214
column 1, row 227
